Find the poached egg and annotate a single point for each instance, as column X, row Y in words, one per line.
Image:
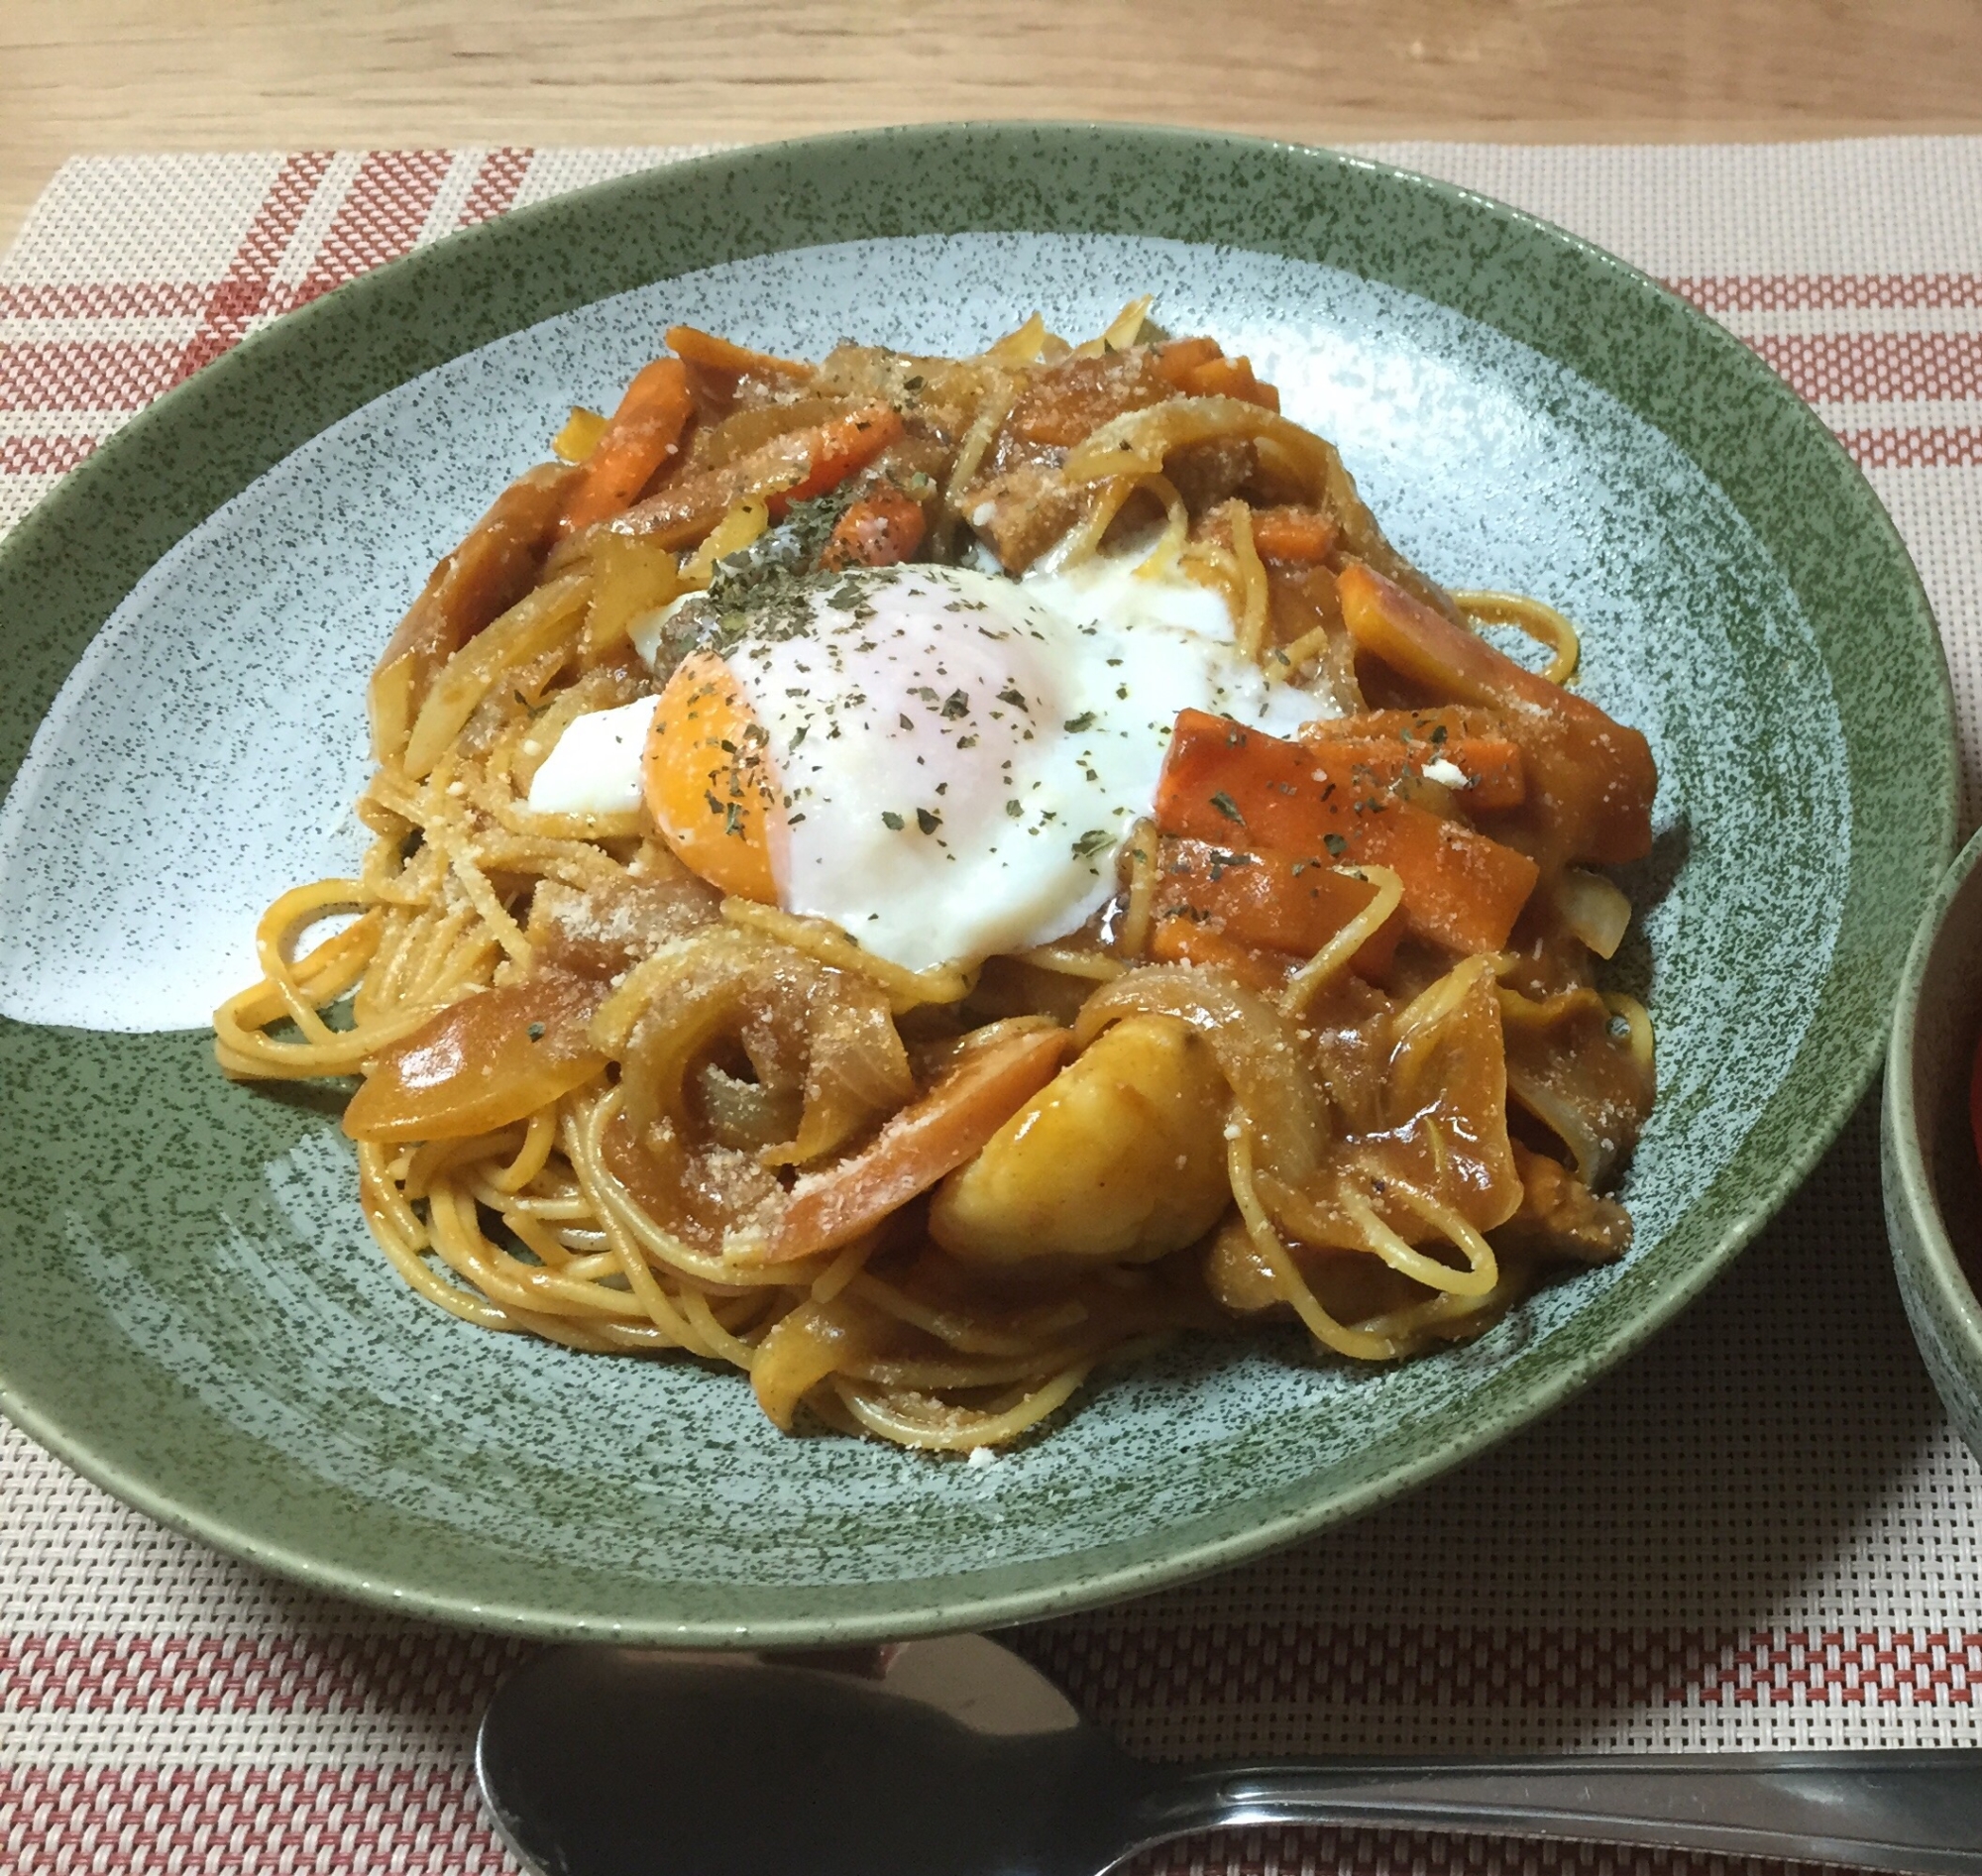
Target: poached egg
column 940, row 761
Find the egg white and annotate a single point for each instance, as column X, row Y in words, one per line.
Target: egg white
column 960, row 755
column 594, row 768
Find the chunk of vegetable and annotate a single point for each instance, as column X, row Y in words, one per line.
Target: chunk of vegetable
column 788, row 468
column 1179, row 938
column 1223, row 782
column 482, row 1064
column 878, row 530
column 836, row 449
column 1436, row 1128
column 725, row 355
column 529, row 629
column 744, row 524
column 1177, row 359
column 1433, row 724
column 1594, row 909
column 1591, row 1089
column 1120, row 1156
column 645, row 431
column 493, row 568
column 1266, row 896
column 630, row 578
column 580, row 435
column 1294, row 534
column 803, row 1348
column 1590, row 779
column 1562, row 1218
column 1230, row 378
column 970, row 1100
column 743, row 432
column 1490, row 772
column 1305, row 469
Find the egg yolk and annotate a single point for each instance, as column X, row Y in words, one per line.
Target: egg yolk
column 710, row 782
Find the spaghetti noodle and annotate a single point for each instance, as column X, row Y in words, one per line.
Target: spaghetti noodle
column 1325, row 1041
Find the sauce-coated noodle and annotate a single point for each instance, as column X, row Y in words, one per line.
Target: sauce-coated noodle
column 1333, row 1048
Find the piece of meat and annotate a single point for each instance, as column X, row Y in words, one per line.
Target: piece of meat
column 1021, row 513
column 1067, row 403
column 1562, row 1218
column 1208, row 472
column 609, row 927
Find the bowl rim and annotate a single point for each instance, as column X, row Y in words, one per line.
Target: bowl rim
column 1926, row 1254
column 1083, row 1577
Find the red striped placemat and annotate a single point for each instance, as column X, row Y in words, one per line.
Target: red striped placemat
column 1759, row 1533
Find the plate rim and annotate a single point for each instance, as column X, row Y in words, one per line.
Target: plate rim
column 932, row 1603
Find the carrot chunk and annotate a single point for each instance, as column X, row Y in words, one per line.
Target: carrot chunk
column 1267, row 897
column 970, row 1100
column 1177, row 359
column 1301, row 535
column 879, row 530
column 1590, row 779
column 834, row 450
column 792, row 467
column 1230, row 378
column 644, row 432
column 1449, row 747
column 1179, row 938
column 1223, row 782
column 1440, row 722
column 705, row 349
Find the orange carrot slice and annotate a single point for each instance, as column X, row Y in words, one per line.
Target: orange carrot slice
column 792, row 467
column 1490, row 772
column 1230, row 378
column 697, row 347
column 1177, row 359
column 1181, row 940
column 1298, row 535
column 1474, row 741
column 1267, row 897
column 834, row 450
column 970, row 1100
column 1433, row 722
column 1590, row 779
column 1222, row 782
column 879, row 530
column 644, row 432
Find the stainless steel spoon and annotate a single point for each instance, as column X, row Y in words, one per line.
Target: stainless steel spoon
column 955, row 1758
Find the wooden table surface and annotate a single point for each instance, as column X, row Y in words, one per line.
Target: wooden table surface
column 106, row 75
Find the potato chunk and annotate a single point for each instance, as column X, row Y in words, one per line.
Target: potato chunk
column 1120, row 1157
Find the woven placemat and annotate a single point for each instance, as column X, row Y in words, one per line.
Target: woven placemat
column 1760, row 1532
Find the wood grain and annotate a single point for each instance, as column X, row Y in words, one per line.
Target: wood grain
column 105, row 76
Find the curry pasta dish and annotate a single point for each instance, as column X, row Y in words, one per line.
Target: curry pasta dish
column 916, row 877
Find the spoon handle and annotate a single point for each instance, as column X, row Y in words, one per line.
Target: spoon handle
column 1914, row 1812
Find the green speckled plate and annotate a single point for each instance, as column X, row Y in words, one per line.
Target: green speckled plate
column 192, row 1312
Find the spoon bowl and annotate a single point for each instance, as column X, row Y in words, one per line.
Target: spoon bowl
column 946, row 1758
